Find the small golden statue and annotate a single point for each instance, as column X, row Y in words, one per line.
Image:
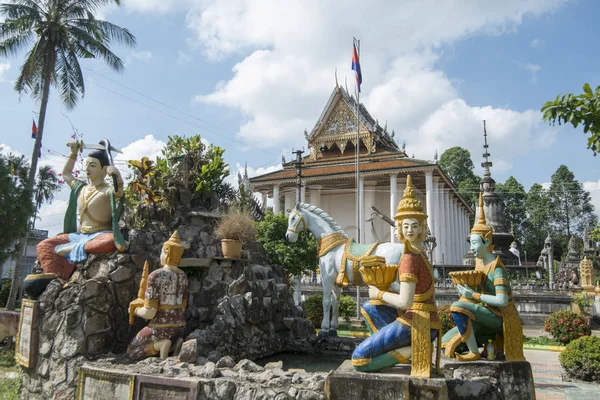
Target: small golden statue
column 402, row 325
column 162, row 300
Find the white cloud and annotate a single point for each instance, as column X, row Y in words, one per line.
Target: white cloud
column 535, row 43
column 290, row 51
column 529, row 67
column 594, row 188
column 6, row 149
column 51, row 216
column 3, row 68
column 142, row 55
column 232, row 179
column 183, row 58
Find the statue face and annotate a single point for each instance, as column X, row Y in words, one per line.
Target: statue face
column 93, row 169
column 478, row 246
column 412, row 229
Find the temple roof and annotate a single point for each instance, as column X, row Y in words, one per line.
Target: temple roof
column 337, row 126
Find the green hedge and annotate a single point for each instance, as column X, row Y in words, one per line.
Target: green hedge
column 566, row 326
column 581, row 359
column 313, row 306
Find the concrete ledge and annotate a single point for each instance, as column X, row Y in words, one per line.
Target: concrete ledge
column 391, row 384
column 489, row 380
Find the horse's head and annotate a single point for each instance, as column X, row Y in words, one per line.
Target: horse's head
column 296, row 224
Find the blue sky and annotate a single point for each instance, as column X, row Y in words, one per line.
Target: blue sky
column 250, row 76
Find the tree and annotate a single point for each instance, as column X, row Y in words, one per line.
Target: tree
column 514, row 196
column 577, row 109
column 15, row 204
column 458, row 165
column 537, row 224
column 570, row 205
column 46, row 186
column 294, row 258
column 62, row 32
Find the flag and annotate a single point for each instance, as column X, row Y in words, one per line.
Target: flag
column 33, row 130
column 356, row 65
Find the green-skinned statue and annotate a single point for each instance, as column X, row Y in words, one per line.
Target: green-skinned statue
column 486, row 311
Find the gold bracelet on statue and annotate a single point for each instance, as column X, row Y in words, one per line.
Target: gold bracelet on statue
column 477, row 296
column 380, row 295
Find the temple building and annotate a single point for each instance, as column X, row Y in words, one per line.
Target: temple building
column 329, row 180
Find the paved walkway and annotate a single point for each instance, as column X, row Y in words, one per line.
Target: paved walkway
column 547, row 375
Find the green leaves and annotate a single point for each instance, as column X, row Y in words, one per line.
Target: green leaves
column 576, row 110
column 294, row 258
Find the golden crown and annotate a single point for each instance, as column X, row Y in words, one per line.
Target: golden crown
column 409, row 206
column 480, row 227
column 174, row 240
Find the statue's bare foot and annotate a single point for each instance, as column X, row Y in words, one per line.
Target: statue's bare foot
column 65, row 250
column 177, row 347
column 163, row 346
column 468, row 357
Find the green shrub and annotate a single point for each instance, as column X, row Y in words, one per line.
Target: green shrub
column 313, row 306
column 347, row 308
column 581, row 359
column 446, row 318
column 566, row 326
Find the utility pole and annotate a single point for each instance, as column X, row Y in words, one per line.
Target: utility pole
column 298, row 162
column 298, row 174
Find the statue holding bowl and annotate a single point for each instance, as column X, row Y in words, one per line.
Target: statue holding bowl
column 485, row 310
column 403, row 325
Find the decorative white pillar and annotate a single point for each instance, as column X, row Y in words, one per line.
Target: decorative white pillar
column 455, row 231
column 276, row 204
column 289, row 199
column 448, row 230
column 303, row 194
column 265, row 196
column 361, row 207
column 429, row 201
column 393, row 204
column 437, row 254
column 368, row 201
column 315, row 195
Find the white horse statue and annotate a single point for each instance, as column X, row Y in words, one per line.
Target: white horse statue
column 335, row 246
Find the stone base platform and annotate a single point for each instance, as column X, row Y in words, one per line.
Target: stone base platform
column 489, row 380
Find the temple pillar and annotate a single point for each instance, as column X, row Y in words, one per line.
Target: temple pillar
column 452, row 238
column 429, row 201
column 276, row 204
column 446, row 225
column 361, row 207
column 368, row 201
column 315, row 195
column 303, row 194
column 289, row 199
column 393, row 204
column 456, row 231
column 437, row 253
column 264, row 197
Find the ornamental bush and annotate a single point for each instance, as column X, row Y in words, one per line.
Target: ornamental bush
column 313, row 306
column 347, row 307
column 581, row 358
column 566, row 326
column 446, row 318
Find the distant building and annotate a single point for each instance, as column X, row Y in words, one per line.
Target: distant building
column 35, row 236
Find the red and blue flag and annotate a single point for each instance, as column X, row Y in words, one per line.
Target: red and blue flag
column 356, row 65
column 33, row 130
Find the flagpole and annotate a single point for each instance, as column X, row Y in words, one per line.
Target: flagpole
column 358, row 210
column 358, row 236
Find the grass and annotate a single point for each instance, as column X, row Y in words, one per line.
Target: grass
column 9, row 388
column 541, row 341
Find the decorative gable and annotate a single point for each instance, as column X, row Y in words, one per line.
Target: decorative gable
column 337, row 126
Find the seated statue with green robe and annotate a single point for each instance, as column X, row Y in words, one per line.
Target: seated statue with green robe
column 488, row 312
column 91, row 223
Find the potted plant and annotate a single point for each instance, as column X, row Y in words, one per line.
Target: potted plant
column 234, row 229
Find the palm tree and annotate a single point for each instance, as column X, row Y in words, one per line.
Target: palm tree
column 62, row 32
column 46, row 186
